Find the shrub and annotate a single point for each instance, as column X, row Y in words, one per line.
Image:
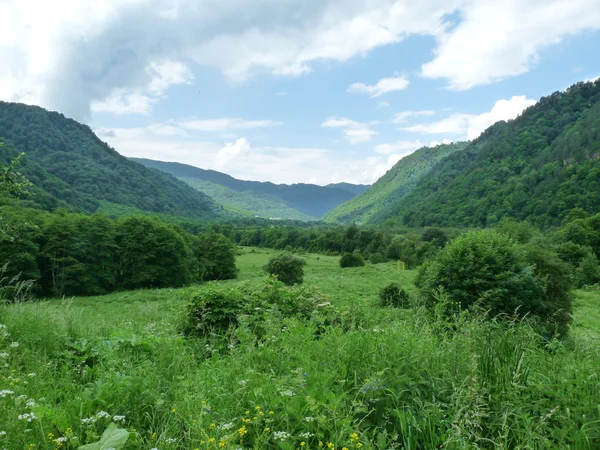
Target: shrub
column 436, row 236
column 376, row 258
column 287, row 268
column 486, row 271
column 351, row 260
column 588, row 272
column 394, row 295
column 213, row 312
column 216, row 257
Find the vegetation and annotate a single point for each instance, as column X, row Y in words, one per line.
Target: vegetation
column 351, row 260
column 375, row 205
column 287, row 268
column 484, row 271
column 255, row 198
column 400, row 379
column 394, row 295
column 537, row 168
column 70, row 166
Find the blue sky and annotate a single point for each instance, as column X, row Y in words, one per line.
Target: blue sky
column 293, row 90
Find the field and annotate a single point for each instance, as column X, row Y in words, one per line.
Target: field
column 385, row 378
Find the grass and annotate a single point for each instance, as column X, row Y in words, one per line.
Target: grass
column 399, row 379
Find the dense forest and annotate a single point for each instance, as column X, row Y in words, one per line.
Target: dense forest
column 263, row 199
column 70, row 166
column 376, row 203
column 537, row 167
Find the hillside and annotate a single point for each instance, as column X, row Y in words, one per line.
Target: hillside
column 264, row 199
column 379, row 200
column 536, row 168
column 70, row 165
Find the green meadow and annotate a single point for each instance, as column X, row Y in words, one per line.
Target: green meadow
column 380, row 378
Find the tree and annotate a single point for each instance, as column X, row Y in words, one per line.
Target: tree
column 484, row 270
column 152, row 255
column 216, row 257
column 436, row 236
column 287, row 268
column 352, row 260
column 12, row 183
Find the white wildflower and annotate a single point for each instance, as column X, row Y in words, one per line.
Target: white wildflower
column 243, row 382
column 117, row 418
column 171, row 441
column 31, row 403
column 2, row 434
column 309, row 419
column 22, row 397
column 32, row 374
column 226, row 426
column 281, row 435
column 14, row 344
column 306, row 435
column 287, row 393
column 88, row 420
column 61, row 439
column 6, row 392
column 3, row 355
column 103, row 415
column 29, row 417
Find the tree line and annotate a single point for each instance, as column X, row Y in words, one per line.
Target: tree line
column 75, row 254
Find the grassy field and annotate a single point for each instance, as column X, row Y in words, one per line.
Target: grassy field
column 394, row 379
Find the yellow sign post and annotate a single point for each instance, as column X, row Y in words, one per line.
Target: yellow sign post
column 403, row 266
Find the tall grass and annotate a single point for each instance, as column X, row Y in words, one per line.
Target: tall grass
column 401, row 380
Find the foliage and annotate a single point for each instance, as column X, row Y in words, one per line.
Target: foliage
column 255, row 198
column 287, row 268
column 435, row 236
column 12, row 183
column 113, row 438
column 588, row 272
column 69, row 165
column 351, row 260
column 374, row 205
column 216, row 256
column 483, row 270
column 535, row 168
column 394, row 295
column 213, row 312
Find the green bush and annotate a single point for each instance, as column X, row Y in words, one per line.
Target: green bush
column 213, row 312
column 394, row 295
column 376, row 258
column 287, row 268
column 435, row 235
column 588, row 272
column 486, row 271
column 351, row 260
column 216, row 257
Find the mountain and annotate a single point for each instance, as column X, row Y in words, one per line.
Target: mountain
column 70, row 166
column 355, row 189
column 264, row 199
column 536, row 167
column 376, row 203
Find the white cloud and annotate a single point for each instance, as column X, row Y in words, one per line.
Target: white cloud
column 354, row 132
column 399, row 147
column 405, row 115
column 471, row 126
column 121, row 102
column 503, row 38
column 70, row 54
column 383, row 86
column 281, row 94
column 591, row 79
column 238, row 149
column 225, row 124
column 243, row 160
column 383, row 104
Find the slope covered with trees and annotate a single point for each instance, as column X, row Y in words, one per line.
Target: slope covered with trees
column 537, row 168
column 295, row 201
column 69, row 165
column 377, row 202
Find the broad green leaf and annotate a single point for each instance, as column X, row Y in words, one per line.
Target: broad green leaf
column 112, row 438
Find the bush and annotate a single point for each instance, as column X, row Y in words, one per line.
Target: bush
column 436, row 236
column 216, row 257
column 486, row 271
column 287, row 268
column 351, row 260
column 394, row 295
column 376, row 258
column 213, row 312
column 588, row 272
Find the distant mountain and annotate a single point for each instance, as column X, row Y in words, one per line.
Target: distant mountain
column 378, row 201
column 536, row 168
column 70, row 166
column 264, row 199
column 355, row 189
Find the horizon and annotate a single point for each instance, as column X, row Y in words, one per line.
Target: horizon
column 338, row 92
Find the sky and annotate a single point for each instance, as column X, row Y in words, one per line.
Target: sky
column 292, row 91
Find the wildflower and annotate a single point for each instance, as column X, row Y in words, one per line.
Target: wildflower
column 302, row 444
column 354, row 437
column 14, row 345
column 31, row 375
column 6, row 392
column 330, row 445
column 117, row 418
column 281, row 435
column 88, row 420
column 358, row 444
column 212, row 440
column 267, row 430
column 212, row 425
column 306, row 435
column 226, row 426
column 29, row 417
column 243, row 431
column 320, row 443
column 271, row 413
column 171, row 441
column 61, row 440
column 31, row 403
column 309, row 419
column 103, row 415
column 153, row 448
column 2, row 434
column 287, row 393
column 3, row 355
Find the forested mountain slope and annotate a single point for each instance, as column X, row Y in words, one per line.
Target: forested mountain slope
column 536, row 168
column 295, row 201
column 70, row 165
column 378, row 201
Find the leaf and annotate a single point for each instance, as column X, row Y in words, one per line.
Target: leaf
column 112, row 438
